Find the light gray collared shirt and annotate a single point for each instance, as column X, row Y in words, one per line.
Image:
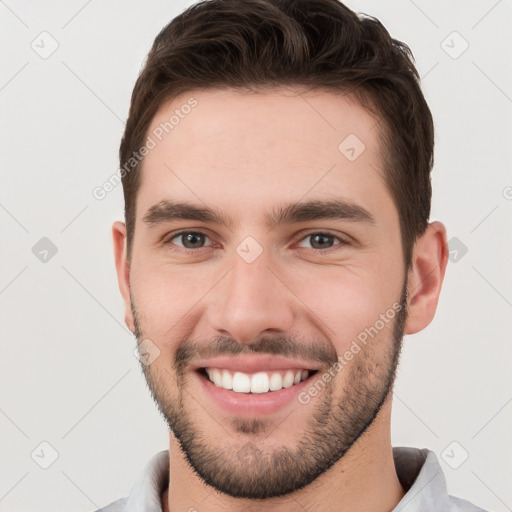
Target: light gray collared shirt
column 418, row 470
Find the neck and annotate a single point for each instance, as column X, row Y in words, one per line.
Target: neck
column 364, row 479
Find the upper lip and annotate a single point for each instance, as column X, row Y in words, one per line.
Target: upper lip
column 251, row 364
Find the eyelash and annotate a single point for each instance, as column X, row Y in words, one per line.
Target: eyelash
column 341, row 243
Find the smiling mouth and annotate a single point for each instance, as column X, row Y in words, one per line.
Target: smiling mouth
column 255, row 383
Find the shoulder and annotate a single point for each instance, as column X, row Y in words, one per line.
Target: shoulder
column 116, row 506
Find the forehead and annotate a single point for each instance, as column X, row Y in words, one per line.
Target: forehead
column 261, row 147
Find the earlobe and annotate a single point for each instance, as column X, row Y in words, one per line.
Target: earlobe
column 425, row 278
column 123, row 269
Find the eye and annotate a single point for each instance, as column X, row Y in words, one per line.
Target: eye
column 189, row 239
column 322, row 241
column 194, row 240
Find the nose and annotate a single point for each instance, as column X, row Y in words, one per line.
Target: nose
column 251, row 301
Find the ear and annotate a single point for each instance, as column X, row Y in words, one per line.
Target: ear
column 429, row 260
column 123, row 270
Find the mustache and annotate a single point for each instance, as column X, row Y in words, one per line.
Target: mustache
column 316, row 351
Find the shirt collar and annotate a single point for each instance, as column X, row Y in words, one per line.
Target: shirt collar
column 422, row 478
column 151, row 482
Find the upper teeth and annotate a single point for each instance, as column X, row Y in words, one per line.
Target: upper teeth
column 260, row 382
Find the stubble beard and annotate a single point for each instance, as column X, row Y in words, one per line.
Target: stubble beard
column 335, row 423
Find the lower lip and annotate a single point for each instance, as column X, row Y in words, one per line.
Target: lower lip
column 252, row 404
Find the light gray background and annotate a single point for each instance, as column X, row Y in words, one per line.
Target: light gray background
column 68, row 373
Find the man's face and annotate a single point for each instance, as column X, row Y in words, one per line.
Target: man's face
column 305, row 288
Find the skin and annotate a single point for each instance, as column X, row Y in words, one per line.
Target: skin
column 245, row 154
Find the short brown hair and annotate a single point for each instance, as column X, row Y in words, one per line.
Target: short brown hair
column 319, row 44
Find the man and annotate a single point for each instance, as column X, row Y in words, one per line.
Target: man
column 276, row 173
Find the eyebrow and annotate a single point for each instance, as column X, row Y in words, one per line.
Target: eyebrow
column 167, row 211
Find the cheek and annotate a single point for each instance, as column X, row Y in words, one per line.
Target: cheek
column 346, row 301
column 166, row 298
